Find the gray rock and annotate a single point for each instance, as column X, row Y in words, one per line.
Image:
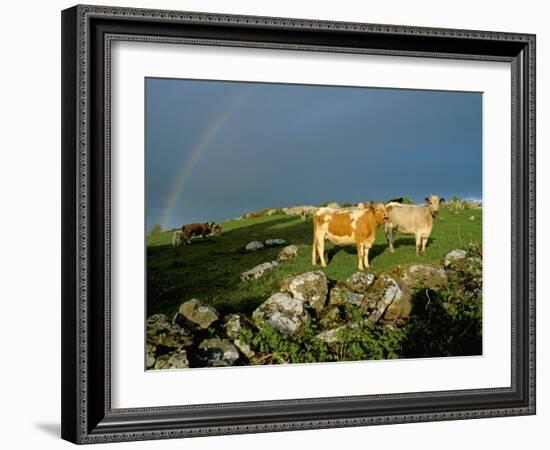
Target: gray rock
column 254, row 246
column 151, row 357
column 472, row 218
column 283, row 312
column 454, row 256
column 161, row 331
column 360, row 281
column 342, row 296
column 333, row 205
column 299, row 210
column 233, row 324
column 175, row 360
column 423, row 276
column 258, row 271
column 311, row 287
column 195, row 312
column 335, row 334
column 330, row 336
column 274, row 242
column 244, row 348
column 331, row 317
column 289, row 252
column 394, row 303
column 217, row 352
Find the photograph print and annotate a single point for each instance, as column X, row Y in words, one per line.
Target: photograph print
column 301, row 224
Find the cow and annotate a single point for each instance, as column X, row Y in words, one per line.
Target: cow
column 350, row 226
column 216, row 230
column 177, row 238
column 200, row 229
column 413, row 219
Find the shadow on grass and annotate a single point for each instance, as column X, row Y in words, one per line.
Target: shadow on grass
column 210, row 269
column 375, row 250
column 410, row 241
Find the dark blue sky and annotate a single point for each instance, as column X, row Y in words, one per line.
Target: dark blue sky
column 215, row 150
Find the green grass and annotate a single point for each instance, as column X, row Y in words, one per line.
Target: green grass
column 210, row 270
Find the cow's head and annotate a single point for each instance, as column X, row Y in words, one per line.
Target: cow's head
column 381, row 212
column 434, row 202
column 216, row 229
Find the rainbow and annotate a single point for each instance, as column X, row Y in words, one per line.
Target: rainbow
column 198, row 149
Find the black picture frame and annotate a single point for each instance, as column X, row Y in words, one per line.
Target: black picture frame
column 87, row 416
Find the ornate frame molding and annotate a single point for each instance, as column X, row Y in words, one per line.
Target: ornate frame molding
column 87, row 423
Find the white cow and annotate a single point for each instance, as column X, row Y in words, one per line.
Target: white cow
column 413, row 219
column 177, row 238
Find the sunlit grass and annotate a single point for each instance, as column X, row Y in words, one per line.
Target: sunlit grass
column 210, row 270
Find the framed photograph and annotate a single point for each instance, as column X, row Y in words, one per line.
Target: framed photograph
column 279, row 224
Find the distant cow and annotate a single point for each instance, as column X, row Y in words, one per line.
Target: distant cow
column 177, row 238
column 200, row 229
column 347, row 227
column 413, row 219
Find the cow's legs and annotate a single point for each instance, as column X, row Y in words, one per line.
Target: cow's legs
column 367, row 247
column 321, row 250
column 424, row 243
column 389, row 236
column 314, row 250
column 360, row 255
column 418, row 242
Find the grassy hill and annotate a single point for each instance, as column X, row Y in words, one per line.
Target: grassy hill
column 210, row 270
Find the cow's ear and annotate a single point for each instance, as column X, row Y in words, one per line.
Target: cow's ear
column 389, row 208
column 427, row 200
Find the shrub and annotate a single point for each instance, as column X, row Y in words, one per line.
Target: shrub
column 155, row 229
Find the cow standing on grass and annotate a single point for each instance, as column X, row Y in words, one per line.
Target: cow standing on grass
column 177, row 238
column 200, row 229
column 413, row 219
column 347, row 227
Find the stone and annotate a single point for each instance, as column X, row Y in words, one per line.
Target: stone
column 254, row 246
column 288, row 252
column 299, row 210
column 274, row 242
column 333, row 205
column 312, row 287
column 174, row 360
column 216, row 352
column 282, row 312
column 330, row 336
column 455, row 255
column 200, row 315
column 331, row 317
column 150, row 356
column 162, row 332
column 342, row 296
column 472, row 218
column 244, row 348
column 360, row 282
column 394, row 303
column 414, row 276
column 233, row 324
column 258, row 271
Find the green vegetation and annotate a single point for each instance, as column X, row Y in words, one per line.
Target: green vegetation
column 210, row 270
column 447, row 322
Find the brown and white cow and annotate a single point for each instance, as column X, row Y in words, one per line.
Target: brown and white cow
column 413, row 219
column 200, row 229
column 350, row 226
